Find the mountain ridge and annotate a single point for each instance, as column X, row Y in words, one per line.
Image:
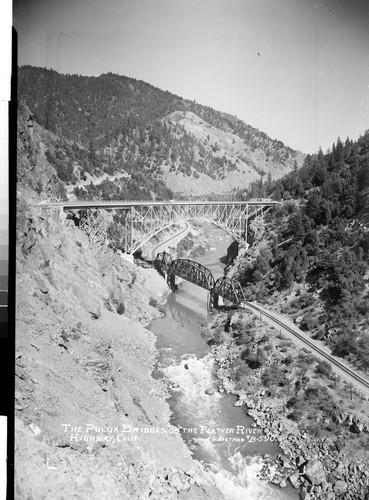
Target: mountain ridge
column 112, row 124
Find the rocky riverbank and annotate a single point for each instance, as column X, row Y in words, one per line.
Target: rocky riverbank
column 324, row 449
column 90, row 419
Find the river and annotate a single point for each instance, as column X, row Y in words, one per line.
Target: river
column 220, row 434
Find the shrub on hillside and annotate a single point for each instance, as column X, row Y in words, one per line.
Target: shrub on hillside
column 273, row 376
column 324, row 368
column 219, row 336
column 304, row 300
column 253, row 359
column 309, row 322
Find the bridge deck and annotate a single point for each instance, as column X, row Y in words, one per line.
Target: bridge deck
column 124, row 204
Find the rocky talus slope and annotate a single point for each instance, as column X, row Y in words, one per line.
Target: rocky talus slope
column 83, row 374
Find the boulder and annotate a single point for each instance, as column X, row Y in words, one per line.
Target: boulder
column 277, row 479
column 314, row 471
column 298, row 319
column 294, row 479
column 340, row 487
column 357, row 426
column 325, row 485
column 210, row 391
column 338, row 418
column 304, row 495
column 43, row 287
column 348, row 419
column 351, row 469
column 316, row 490
column 35, row 428
column 285, row 462
column 340, row 470
column 178, row 482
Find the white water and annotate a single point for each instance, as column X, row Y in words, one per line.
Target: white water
column 210, row 424
column 247, row 485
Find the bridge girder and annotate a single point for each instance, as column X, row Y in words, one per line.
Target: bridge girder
column 192, row 271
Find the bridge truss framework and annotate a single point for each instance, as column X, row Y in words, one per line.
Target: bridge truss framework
column 142, row 220
column 200, row 275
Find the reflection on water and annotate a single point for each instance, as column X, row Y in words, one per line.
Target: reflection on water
column 182, row 313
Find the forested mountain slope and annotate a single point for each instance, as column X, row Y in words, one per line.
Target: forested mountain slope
column 133, row 140
column 311, row 255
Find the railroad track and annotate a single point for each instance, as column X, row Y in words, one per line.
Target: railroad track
column 352, row 374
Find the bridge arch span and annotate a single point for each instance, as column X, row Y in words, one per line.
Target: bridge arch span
column 227, row 289
column 191, row 271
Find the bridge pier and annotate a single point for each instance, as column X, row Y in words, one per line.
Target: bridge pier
column 171, row 280
column 213, row 300
column 93, row 223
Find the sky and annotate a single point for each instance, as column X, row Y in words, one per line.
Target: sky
column 297, row 70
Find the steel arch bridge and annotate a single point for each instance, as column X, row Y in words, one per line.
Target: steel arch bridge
column 143, row 219
column 200, row 275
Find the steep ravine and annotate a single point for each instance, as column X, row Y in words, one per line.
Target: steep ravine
column 83, row 374
column 217, row 430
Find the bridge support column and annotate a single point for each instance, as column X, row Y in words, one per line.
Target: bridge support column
column 171, row 280
column 93, row 223
column 213, row 300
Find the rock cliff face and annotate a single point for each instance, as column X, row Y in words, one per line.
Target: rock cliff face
column 91, row 422
column 83, row 374
column 33, row 170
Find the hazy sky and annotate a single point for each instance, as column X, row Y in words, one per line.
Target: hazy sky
column 309, row 85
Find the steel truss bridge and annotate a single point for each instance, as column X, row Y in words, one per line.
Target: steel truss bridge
column 199, row 275
column 143, row 219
